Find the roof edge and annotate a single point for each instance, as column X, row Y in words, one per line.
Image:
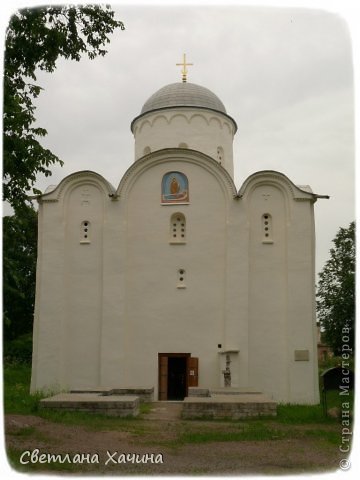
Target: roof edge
column 54, row 195
column 297, row 193
column 183, row 107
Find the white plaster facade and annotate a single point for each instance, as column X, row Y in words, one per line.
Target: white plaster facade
column 205, row 131
column 114, row 290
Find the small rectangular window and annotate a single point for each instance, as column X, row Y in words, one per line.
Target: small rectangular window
column 177, row 228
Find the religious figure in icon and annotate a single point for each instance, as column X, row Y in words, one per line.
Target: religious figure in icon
column 174, row 188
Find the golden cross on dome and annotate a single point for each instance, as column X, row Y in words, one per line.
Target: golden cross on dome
column 184, row 69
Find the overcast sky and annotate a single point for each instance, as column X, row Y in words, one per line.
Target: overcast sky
column 284, row 74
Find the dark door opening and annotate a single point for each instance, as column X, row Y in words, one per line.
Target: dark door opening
column 177, row 372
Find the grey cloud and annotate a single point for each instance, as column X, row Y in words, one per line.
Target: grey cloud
column 285, row 75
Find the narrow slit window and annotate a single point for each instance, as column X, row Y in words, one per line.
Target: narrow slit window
column 85, row 232
column 177, row 228
column 220, row 155
column 181, row 278
column 267, row 228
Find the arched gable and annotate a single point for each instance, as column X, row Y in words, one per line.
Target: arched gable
column 174, row 155
column 76, row 179
column 276, row 179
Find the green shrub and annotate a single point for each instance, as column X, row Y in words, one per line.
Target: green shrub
column 333, row 362
column 18, row 350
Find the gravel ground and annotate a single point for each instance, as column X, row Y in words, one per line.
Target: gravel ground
column 155, row 435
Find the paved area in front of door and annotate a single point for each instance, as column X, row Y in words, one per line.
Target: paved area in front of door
column 165, row 411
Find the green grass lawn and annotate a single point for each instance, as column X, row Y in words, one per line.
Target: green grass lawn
column 305, row 422
column 18, row 400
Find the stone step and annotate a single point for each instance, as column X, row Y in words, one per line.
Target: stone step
column 145, row 394
column 208, row 392
column 237, row 406
column 116, row 405
column 234, row 391
column 165, row 410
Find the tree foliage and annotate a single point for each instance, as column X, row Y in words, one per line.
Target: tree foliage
column 19, row 272
column 35, row 39
column 336, row 291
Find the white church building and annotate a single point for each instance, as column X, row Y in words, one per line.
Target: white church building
column 177, row 278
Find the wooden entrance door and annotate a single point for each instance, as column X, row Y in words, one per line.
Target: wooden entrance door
column 163, row 376
column 193, row 371
column 177, row 371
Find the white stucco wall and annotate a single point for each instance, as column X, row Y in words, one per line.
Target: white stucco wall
column 106, row 309
column 281, row 289
column 268, row 292
column 168, row 318
column 68, row 309
column 206, row 131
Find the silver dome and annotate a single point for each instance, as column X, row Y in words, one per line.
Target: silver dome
column 183, row 95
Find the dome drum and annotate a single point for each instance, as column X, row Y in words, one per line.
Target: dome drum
column 185, row 113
